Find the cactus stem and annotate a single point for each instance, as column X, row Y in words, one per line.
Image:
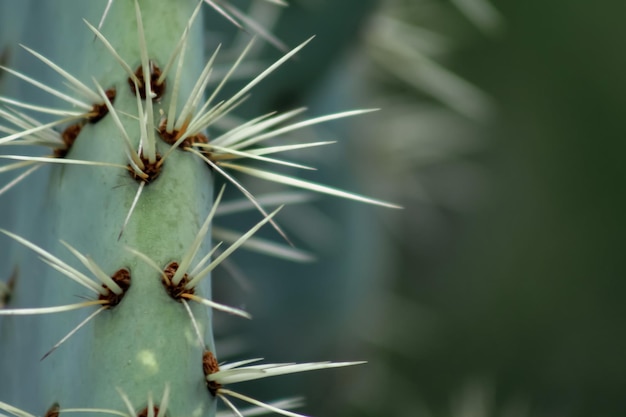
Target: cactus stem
column 74, row 330
column 112, row 50
column 157, row 77
column 194, row 323
column 148, row 262
column 147, row 124
column 195, row 246
column 132, row 207
column 134, row 159
column 6, row 289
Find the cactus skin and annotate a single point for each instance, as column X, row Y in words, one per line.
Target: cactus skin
column 146, row 341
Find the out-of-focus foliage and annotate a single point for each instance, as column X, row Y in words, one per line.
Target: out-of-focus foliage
column 504, row 293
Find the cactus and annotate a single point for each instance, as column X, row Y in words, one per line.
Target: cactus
column 121, row 202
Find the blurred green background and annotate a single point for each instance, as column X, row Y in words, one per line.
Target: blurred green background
column 498, row 290
column 514, row 305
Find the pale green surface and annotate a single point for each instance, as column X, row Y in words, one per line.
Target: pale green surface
column 147, row 340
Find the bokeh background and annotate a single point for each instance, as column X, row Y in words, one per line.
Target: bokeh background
column 498, row 290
